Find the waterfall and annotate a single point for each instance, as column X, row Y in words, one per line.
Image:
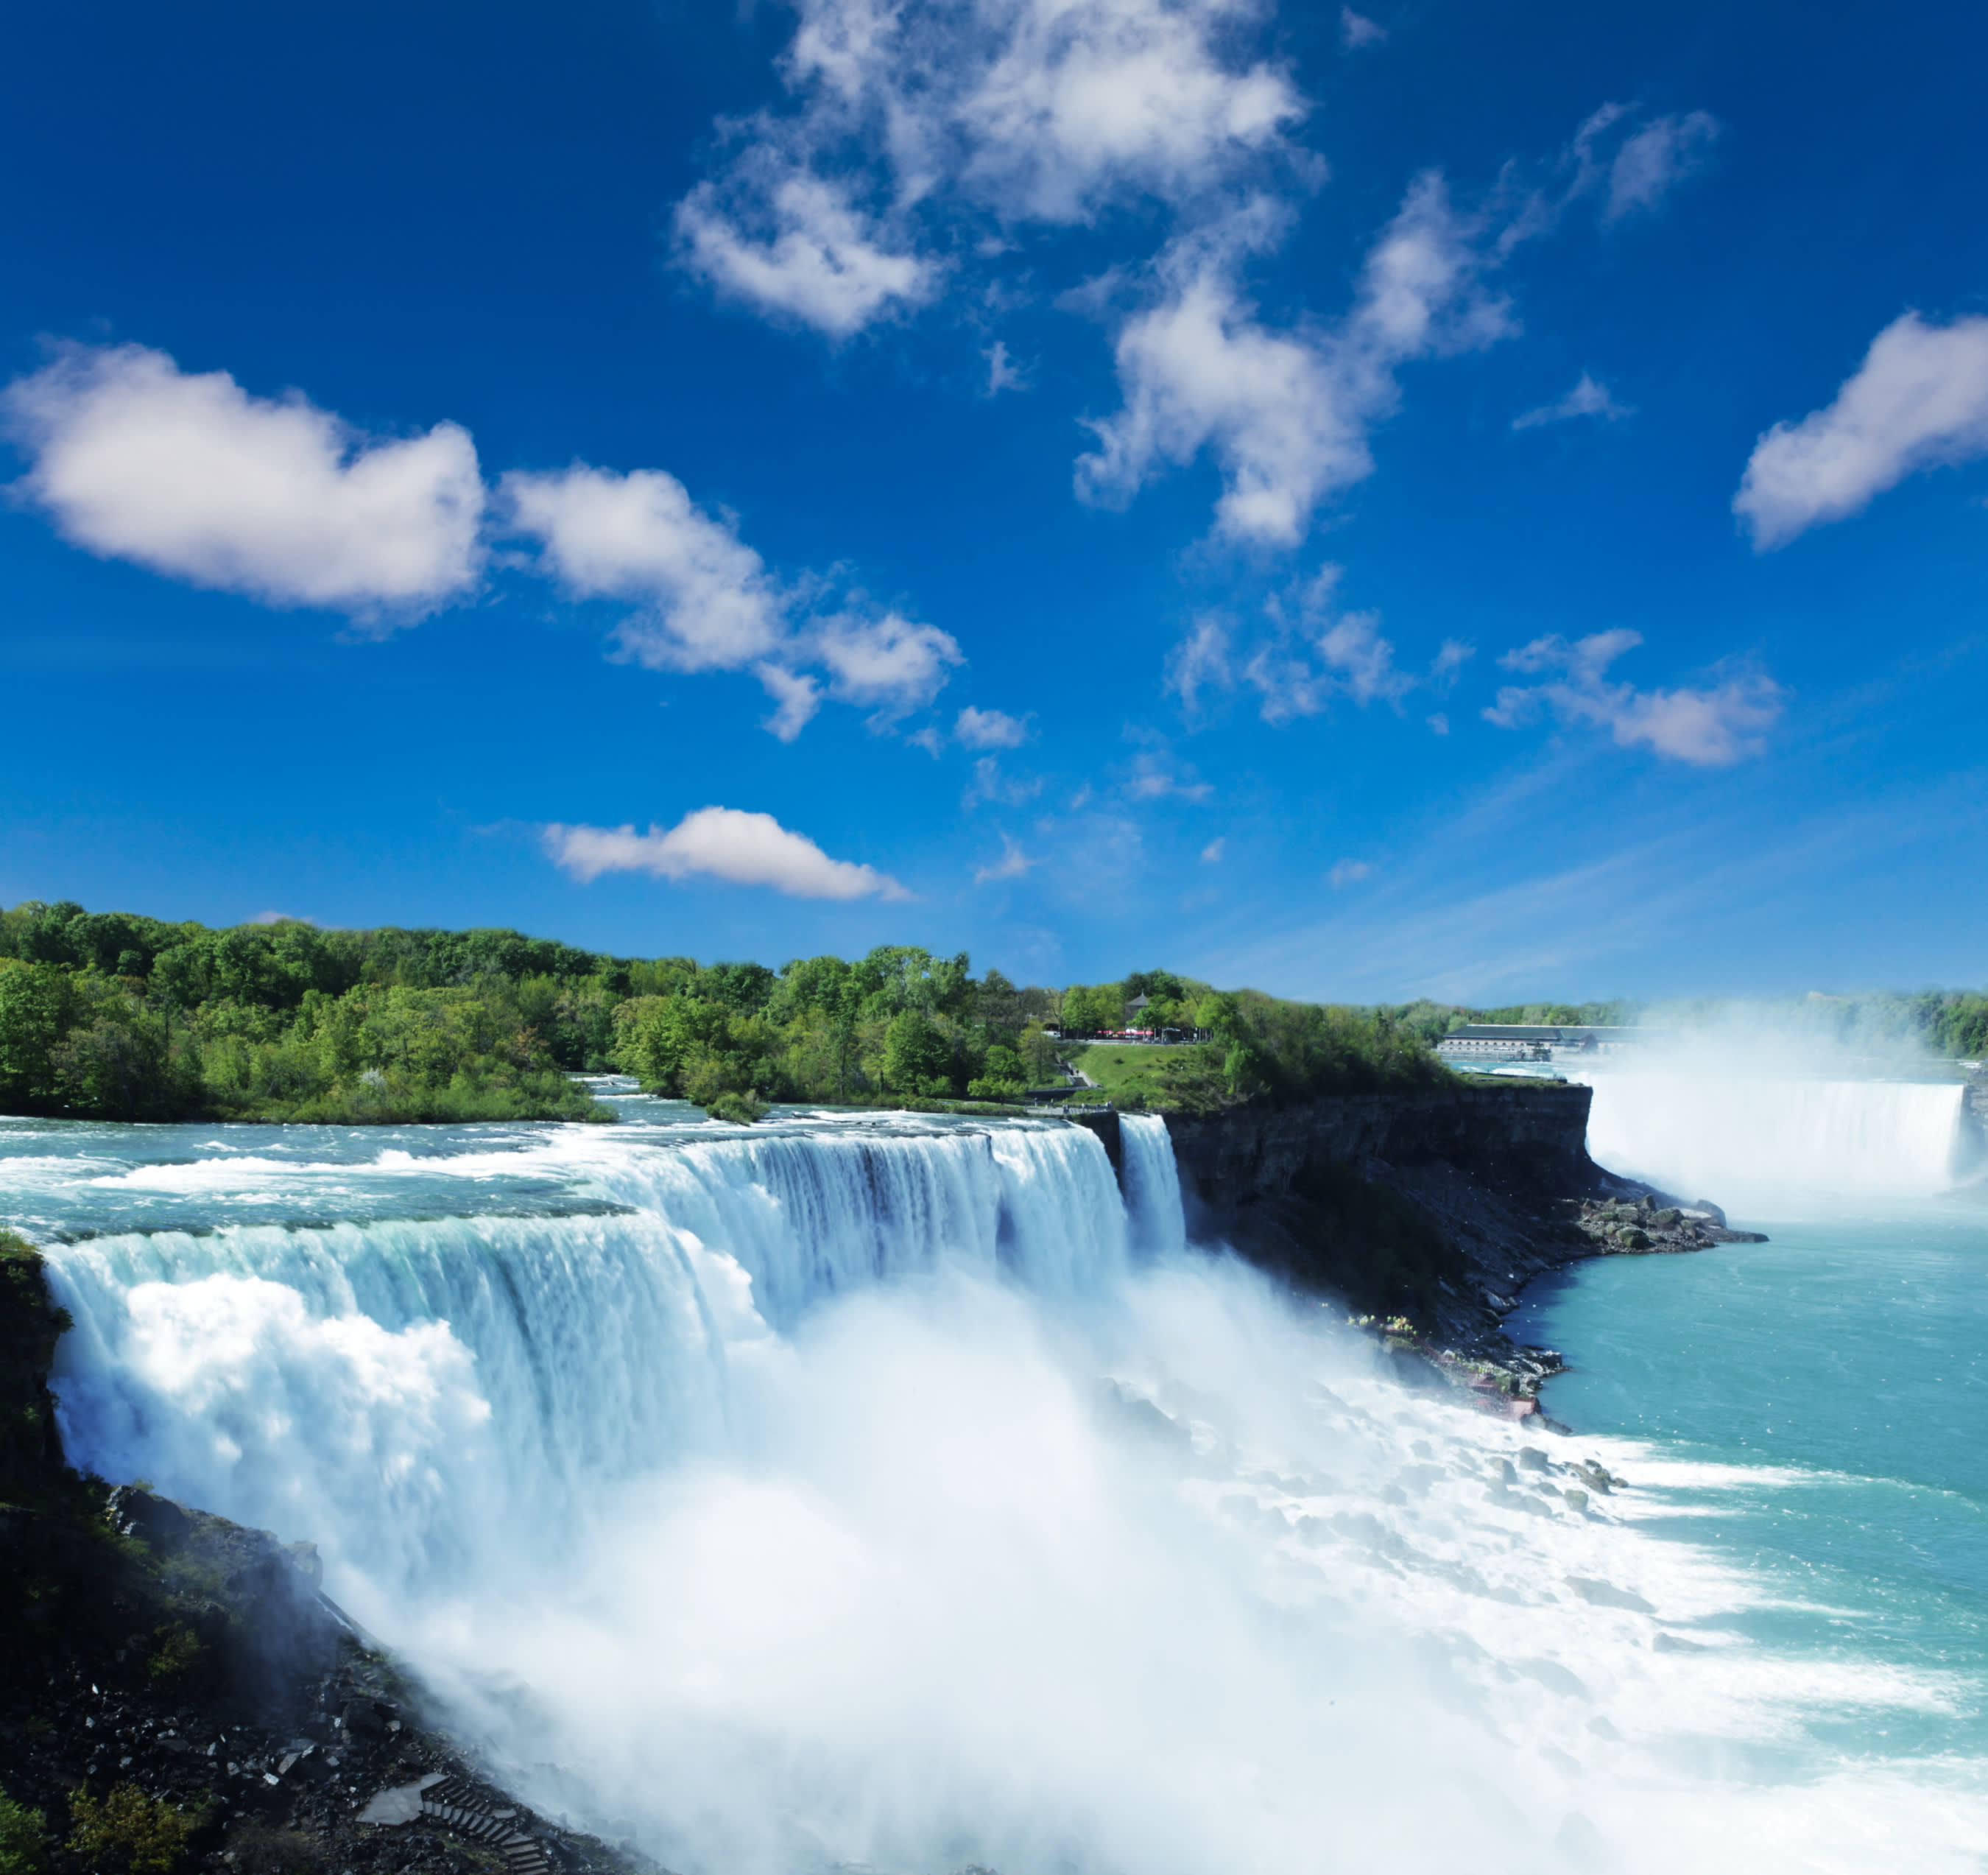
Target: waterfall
column 1152, row 1185
column 433, row 1398
column 890, row 1494
column 1739, row 1138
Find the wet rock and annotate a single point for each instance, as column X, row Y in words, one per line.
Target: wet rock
column 1532, row 1459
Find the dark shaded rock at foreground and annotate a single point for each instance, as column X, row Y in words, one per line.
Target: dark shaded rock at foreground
column 146, row 1645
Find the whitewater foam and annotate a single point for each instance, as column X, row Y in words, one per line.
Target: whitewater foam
column 900, row 1496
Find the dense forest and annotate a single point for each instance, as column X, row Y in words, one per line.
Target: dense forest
column 113, row 1016
column 110, row 1015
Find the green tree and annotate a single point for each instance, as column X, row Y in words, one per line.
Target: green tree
column 917, row 1055
column 37, row 1004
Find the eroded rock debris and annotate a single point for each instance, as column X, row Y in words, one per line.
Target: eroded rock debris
column 147, row 1646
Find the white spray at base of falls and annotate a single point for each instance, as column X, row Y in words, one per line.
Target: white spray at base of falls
column 849, row 1498
column 1721, row 1131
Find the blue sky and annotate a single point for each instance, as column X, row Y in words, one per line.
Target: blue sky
column 1484, row 501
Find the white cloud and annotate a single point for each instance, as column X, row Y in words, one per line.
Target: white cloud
column 1347, row 872
column 1655, row 160
column 1154, row 778
column 721, row 843
column 989, row 729
column 1313, row 654
column 1712, row 728
column 1439, row 722
column 799, row 248
column 1045, row 111
column 709, row 602
column 989, row 783
column 796, row 697
column 1211, row 854
column 1199, row 663
column 1355, row 30
column 1588, row 398
column 189, row 475
column 1082, row 101
column 1012, row 864
column 1002, row 373
column 1919, row 400
column 1626, row 170
column 891, row 664
column 1286, row 414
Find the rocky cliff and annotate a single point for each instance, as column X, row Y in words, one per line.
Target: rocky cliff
column 1432, row 1209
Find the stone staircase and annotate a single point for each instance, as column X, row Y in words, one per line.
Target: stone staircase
column 459, row 1805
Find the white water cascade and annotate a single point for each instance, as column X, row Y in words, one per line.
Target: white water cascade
column 1740, row 1137
column 897, row 1497
column 1152, row 1185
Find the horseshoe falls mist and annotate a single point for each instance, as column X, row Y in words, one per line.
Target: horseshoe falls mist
column 894, row 1494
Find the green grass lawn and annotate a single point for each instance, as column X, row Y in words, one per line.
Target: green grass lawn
column 1121, row 1071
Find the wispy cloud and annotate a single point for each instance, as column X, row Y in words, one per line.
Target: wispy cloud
column 1918, row 400
column 989, row 729
column 1357, row 30
column 1211, row 854
column 1013, row 864
column 1655, row 160
column 720, row 843
column 1708, row 728
column 1310, row 653
column 1588, row 398
column 989, row 783
column 1347, row 872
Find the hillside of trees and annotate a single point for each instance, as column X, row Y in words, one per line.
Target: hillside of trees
column 114, row 1016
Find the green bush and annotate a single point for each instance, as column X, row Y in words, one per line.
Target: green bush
column 23, row 1839
column 128, row 1830
column 740, row 1109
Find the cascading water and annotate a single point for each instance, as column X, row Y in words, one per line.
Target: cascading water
column 1736, row 1136
column 1152, row 1185
column 894, row 1495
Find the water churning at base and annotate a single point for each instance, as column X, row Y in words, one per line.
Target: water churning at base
column 900, row 1496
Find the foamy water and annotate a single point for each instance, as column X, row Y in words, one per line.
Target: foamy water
column 895, row 1495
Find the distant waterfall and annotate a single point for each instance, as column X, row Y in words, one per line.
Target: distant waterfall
column 1152, row 1185
column 1728, row 1137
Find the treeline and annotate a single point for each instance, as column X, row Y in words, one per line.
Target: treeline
column 113, row 1016
column 109, row 1016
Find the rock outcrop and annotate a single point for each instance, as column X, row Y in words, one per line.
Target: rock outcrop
column 1428, row 1211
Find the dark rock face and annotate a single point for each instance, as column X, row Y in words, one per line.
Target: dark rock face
column 146, row 1645
column 1438, row 1206
column 1432, row 1210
